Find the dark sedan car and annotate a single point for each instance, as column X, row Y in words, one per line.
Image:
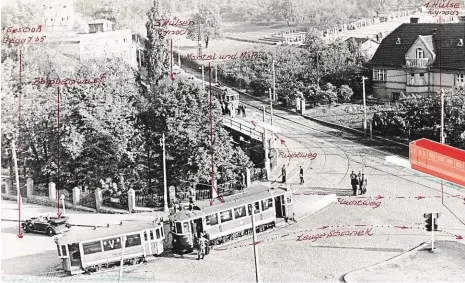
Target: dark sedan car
column 46, row 225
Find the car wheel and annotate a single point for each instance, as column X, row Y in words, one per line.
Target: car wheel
column 25, row 228
column 50, row 232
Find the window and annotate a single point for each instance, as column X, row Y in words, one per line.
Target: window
column 124, row 40
column 460, row 79
column 145, row 236
column 58, row 248
column 51, row 20
column 112, row 244
column 398, row 40
column 185, row 227
column 212, row 219
column 178, row 227
column 257, row 207
column 441, row 158
column 116, row 41
column 151, row 235
column 449, row 161
column 239, row 212
column 63, row 250
column 411, row 79
column 133, row 240
column 162, row 232
column 158, row 233
column 379, row 74
column 267, row 204
column 421, row 81
column 420, row 53
column 226, row 216
column 92, row 247
column 431, row 155
column 64, row 7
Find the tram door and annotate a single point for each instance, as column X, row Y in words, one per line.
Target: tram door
column 278, row 203
column 75, row 256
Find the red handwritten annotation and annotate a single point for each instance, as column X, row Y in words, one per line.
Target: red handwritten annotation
column 243, row 56
column 447, row 8
column 8, row 40
column 367, row 202
column 175, row 22
column 22, row 29
column 174, row 32
column 335, row 233
column 38, row 81
column 299, row 154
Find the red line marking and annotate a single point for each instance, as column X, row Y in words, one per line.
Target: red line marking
column 361, row 225
column 400, row 197
column 20, row 235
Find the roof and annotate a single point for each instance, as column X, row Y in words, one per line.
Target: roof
column 444, row 39
column 443, row 149
column 256, row 192
column 99, row 21
column 84, row 234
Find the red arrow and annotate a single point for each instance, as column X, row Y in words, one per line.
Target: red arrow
column 419, row 197
column 171, row 55
column 283, row 141
column 323, row 227
column 379, row 197
column 253, row 123
column 401, row 227
column 211, row 202
column 256, row 243
column 20, row 235
column 458, row 237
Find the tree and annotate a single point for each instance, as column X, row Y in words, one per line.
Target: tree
column 210, row 20
column 22, row 13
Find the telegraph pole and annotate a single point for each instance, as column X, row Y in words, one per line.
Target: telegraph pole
column 10, row 136
column 317, row 68
column 123, row 245
column 271, row 106
column 274, row 82
column 255, row 248
column 364, row 107
column 265, row 146
column 216, row 71
column 165, row 190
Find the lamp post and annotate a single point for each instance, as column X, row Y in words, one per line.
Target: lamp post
column 165, row 190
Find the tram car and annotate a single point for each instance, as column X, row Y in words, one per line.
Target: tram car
column 439, row 160
column 232, row 219
column 95, row 249
column 225, row 95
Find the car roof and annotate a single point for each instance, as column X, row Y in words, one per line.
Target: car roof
column 80, row 235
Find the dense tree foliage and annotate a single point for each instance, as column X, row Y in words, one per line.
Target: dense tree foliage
column 208, row 16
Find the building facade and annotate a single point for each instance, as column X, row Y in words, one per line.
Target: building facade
column 419, row 59
column 59, row 14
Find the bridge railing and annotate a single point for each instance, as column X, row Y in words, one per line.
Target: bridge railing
column 251, row 132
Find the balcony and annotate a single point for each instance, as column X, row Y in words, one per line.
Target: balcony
column 417, row 62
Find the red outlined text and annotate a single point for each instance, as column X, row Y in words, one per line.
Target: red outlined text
column 443, row 7
column 366, row 202
column 97, row 81
column 22, row 29
column 242, row 56
column 283, row 154
column 335, row 233
column 26, row 40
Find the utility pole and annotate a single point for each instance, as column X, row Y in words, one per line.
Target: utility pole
column 10, row 136
column 317, row 68
column 274, row 81
column 199, row 37
column 442, row 140
column 179, row 55
column 271, row 106
column 165, row 190
column 255, row 248
column 123, row 246
column 265, row 146
column 216, row 71
column 138, row 49
column 364, row 107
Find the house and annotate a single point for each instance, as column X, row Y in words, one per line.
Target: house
column 367, row 46
column 419, row 59
column 59, row 14
column 100, row 25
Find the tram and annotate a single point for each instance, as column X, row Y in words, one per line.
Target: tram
column 232, row 219
column 226, row 96
column 92, row 250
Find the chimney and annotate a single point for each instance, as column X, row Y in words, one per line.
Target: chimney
column 414, row 20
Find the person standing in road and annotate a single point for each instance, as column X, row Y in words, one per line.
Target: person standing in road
column 364, row 187
column 301, row 174
column 283, row 173
column 202, row 246
column 354, row 182
column 361, row 177
column 243, row 111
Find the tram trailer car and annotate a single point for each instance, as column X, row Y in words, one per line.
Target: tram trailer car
column 225, row 95
column 439, row 160
column 232, row 219
column 91, row 250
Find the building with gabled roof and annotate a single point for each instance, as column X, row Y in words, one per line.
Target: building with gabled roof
column 419, row 59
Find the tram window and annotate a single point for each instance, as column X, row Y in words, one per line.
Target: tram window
column 185, row 227
column 441, row 158
column 239, row 212
column 91, row 248
column 431, row 155
column 112, row 244
column 212, row 219
column 267, row 204
column 257, row 207
column 458, row 165
column 162, row 232
column 226, row 216
column 133, row 240
column 178, row 227
column 145, row 236
column 249, row 209
column 450, row 161
column 63, row 250
column 289, row 199
column 151, row 235
column 158, row 233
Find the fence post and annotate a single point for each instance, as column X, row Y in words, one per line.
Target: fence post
column 29, row 187
column 98, row 199
column 52, row 191
column 247, row 177
column 76, row 195
column 131, row 200
column 7, row 186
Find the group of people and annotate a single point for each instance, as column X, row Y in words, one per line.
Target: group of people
column 358, row 181
column 283, row 174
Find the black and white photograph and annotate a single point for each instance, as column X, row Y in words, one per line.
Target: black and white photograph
column 232, row 141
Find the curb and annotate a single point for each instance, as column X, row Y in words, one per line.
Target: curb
column 405, row 254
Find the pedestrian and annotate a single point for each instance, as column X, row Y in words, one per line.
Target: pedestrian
column 243, row 180
column 354, row 182
column 361, row 177
column 283, row 173
column 364, row 186
column 202, row 245
column 301, row 174
column 243, row 111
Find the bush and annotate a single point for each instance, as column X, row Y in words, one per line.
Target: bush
column 344, row 94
